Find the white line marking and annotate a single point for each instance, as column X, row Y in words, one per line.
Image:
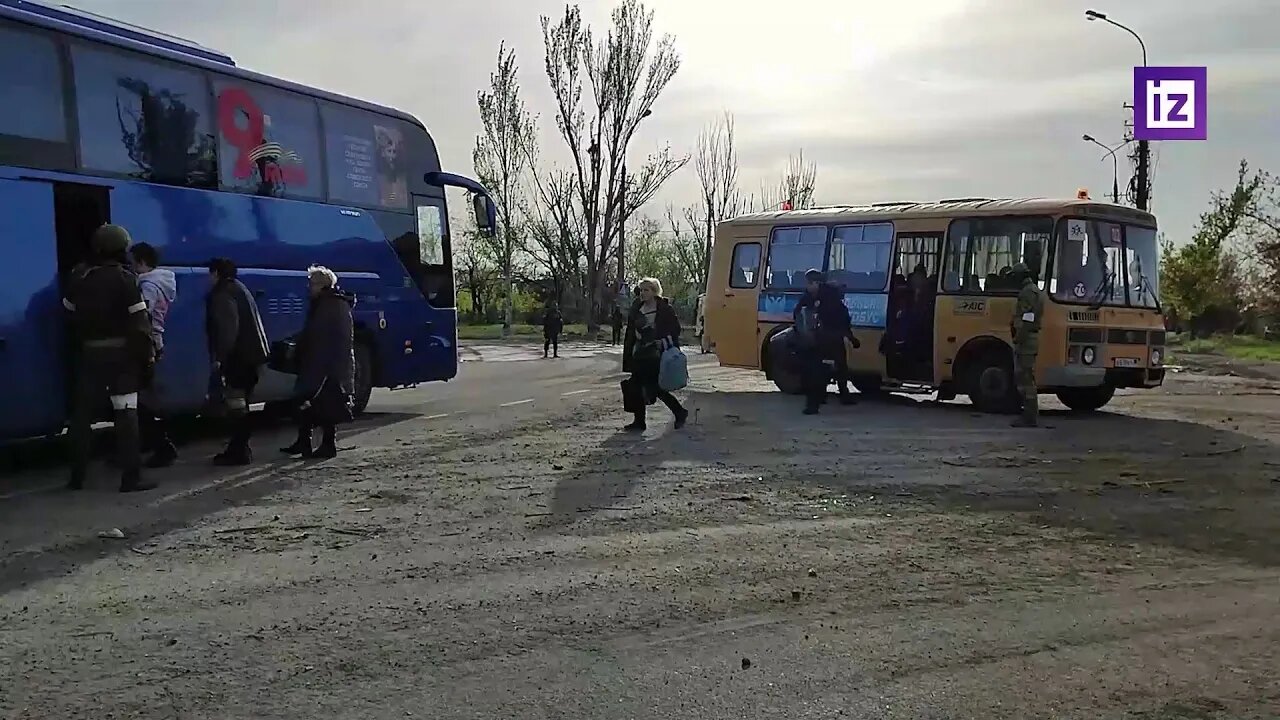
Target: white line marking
column 436, row 417
column 517, row 402
column 51, row 487
column 576, row 392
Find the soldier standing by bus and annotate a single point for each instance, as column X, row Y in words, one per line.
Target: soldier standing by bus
column 112, row 330
column 1025, row 328
column 826, row 356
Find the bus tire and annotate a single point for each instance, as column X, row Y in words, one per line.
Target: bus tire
column 779, row 368
column 364, row 377
column 990, row 382
column 1086, row 399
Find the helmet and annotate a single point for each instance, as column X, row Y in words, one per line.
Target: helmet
column 1020, row 269
column 110, row 240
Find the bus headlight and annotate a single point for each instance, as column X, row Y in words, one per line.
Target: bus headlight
column 1156, row 356
column 1088, row 355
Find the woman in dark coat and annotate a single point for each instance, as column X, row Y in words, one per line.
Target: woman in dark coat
column 326, row 365
column 652, row 327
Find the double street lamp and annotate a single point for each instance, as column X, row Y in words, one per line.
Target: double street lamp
column 1115, row 165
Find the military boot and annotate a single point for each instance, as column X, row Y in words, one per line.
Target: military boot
column 129, row 452
column 328, row 445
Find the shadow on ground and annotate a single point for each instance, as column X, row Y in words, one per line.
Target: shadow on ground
column 1116, row 475
column 49, row 533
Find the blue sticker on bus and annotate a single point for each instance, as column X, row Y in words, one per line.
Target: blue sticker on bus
column 869, row 310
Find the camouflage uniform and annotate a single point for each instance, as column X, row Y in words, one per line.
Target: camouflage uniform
column 113, row 356
column 1025, row 328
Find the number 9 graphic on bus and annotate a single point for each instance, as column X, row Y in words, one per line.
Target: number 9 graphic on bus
column 244, row 126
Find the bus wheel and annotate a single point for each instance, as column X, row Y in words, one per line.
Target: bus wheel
column 364, row 377
column 991, row 385
column 1086, row 399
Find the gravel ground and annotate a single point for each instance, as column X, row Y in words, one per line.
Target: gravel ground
column 898, row 559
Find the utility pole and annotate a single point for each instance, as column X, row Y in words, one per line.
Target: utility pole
column 1142, row 193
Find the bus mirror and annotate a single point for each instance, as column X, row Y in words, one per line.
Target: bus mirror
column 485, row 213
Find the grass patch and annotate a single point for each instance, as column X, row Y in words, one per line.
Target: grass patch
column 574, row 331
column 1240, row 347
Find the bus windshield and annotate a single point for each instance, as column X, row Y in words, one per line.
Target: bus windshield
column 1107, row 263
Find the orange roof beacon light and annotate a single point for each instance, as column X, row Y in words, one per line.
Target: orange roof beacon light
column 1082, row 194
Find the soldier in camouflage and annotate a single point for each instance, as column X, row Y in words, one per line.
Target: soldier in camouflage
column 1025, row 329
column 114, row 353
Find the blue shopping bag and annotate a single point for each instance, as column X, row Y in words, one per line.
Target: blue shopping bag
column 673, row 370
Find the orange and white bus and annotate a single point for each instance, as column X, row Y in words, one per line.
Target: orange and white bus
column 928, row 287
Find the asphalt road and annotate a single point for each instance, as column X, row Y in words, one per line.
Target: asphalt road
column 496, row 548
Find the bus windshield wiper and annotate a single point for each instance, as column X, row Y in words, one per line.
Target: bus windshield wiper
column 1105, row 288
column 1144, row 287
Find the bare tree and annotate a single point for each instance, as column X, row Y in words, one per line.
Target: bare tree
column 475, row 272
column 716, row 162
column 621, row 76
column 501, row 159
column 795, row 189
column 555, row 237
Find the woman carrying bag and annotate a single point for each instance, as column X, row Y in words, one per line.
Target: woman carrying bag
column 652, row 329
column 326, row 365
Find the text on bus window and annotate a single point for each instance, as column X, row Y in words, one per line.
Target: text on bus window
column 368, row 158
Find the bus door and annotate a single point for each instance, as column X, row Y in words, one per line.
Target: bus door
column 913, row 291
column 45, row 228
column 733, row 316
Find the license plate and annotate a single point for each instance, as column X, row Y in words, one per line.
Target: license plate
column 1128, row 362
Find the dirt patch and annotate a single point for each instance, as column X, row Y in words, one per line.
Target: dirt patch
column 897, row 559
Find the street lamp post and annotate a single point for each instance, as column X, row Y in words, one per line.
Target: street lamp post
column 623, row 214
column 1143, row 191
column 1115, row 165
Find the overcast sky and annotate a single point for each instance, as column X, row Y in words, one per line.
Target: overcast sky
column 905, row 100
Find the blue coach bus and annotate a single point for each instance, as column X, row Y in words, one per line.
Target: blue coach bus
column 107, row 122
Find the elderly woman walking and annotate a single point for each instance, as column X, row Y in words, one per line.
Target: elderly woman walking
column 326, row 365
column 652, row 327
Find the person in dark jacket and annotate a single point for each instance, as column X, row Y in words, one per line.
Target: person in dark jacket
column 552, row 326
column 114, row 354
column 238, row 349
column 831, row 327
column 326, row 365
column 652, row 327
column 616, row 318
column 159, row 288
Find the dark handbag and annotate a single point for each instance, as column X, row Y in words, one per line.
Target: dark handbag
column 284, row 356
column 215, row 399
column 632, row 396
column 331, row 406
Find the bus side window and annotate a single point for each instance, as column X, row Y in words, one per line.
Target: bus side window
column 746, row 265
column 981, row 251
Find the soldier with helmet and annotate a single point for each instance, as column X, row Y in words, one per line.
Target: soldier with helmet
column 1025, row 329
column 112, row 334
